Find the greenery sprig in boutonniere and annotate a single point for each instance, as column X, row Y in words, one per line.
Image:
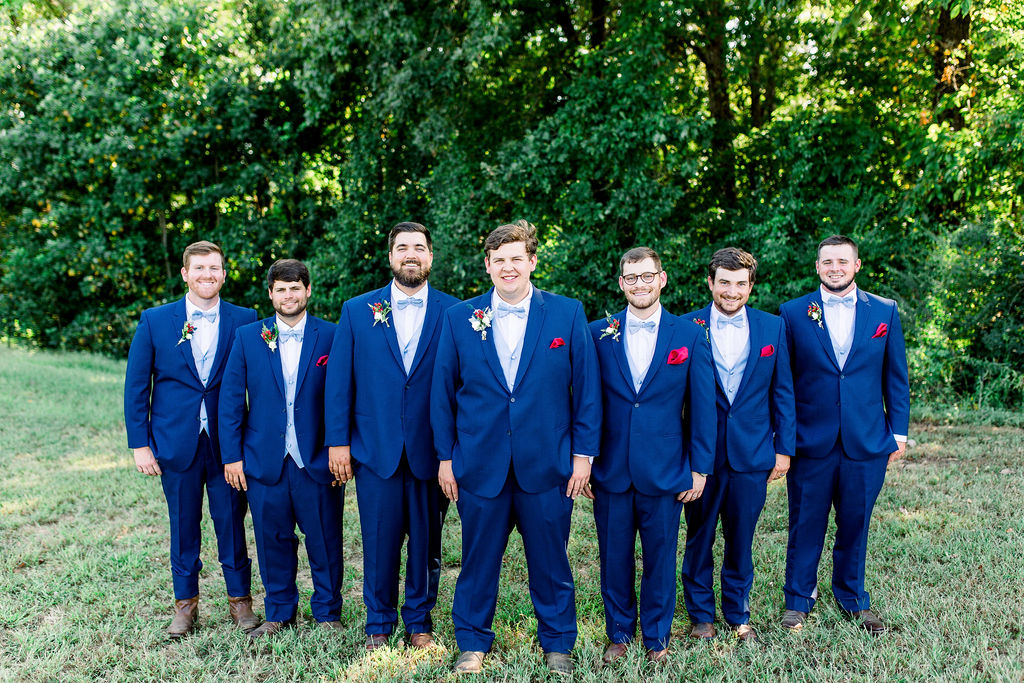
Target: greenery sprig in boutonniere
column 186, row 332
column 612, row 329
column 380, row 312
column 704, row 323
column 481, row 320
column 270, row 336
column 814, row 313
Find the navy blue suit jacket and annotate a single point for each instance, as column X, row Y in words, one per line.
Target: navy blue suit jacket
column 371, row 403
column 255, row 434
column 162, row 391
column 867, row 401
column 646, row 441
column 553, row 412
column 762, row 418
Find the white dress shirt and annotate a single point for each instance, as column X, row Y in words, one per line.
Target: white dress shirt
column 511, row 327
column 640, row 345
column 408, row 321
column 207, row 332
column 291, row 349
column 839, row 320
column 731, row 340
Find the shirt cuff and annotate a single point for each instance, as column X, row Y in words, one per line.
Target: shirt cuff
column 900, row 438
column 590, row 458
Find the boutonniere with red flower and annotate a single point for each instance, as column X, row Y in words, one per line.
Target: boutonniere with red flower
column 612, row 328
column 814, row 313
column 882, row 330
column 186, row 332
column 321, row 361
column 678, row 356
column 270, row 336
column 704, row 323
column 380, row 312
column 557, row 342
column 481, row 321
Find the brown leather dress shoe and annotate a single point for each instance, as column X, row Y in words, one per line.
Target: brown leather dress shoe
column 375, row 641
column 558, row 663
column 241, row 613
column 614, row 651
column 330, row 625
column 659, row 657
column 744, row 633
column 702, row 631
column 269, row 628
column 870, row 622
column 469, row 662
column 793, row 619
column 186, row 612
column 421, row 641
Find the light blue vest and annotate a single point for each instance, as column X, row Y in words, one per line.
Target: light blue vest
column 509, row 358
column 730, row 376
column 291, row 442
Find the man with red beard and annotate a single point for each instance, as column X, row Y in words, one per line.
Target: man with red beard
column 377, row 418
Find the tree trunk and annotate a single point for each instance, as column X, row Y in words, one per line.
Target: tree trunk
column 948, row 69
column 713, row 55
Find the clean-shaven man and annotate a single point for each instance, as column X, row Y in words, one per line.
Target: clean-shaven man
column 657, row 449
column 377, row 414
column 171, row 388
column 516, row 411
column 273, row 448
column 756, row 439
column 852, row 411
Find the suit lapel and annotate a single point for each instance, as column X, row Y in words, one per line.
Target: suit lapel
column 430, row 321
column 225, row 327
column 822, row 331
column 755, row 338
column 389, row 329
column 274, row 357
column 860, row 325
column 619, row 350
column 666, row 328
column 487, row 345
column 309, row 338
column 705, row 315
column 534, row 323
column 185, row 347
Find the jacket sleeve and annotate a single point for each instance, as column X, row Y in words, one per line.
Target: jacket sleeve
column 895, row 377
column 138, row 384
column 443, row 387
column 783, row 401
column 701, row 408
column 231, row 413
column 586, row 388
column 339, row 386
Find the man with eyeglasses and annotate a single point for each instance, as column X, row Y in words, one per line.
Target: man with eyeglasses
column 852, row 410
column 756, row 437
column 516, row 411
column 171, row 392
column 657, row 449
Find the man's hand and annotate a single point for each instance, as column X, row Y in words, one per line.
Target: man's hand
column 145, row 461
column 234, row 476
column 781, row 467
column 446, row 480
column 698, row 488
column 339, row 462
column 580, row 477
column 901, row 450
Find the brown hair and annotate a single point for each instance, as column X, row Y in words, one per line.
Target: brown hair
column 732, row 258
column 837, row 240
column 408, row 226
column 201, row 248
column 638, row 254
column 287, row 270
column 519, row 231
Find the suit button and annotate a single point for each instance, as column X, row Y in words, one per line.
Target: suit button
column 508, row 433
column 512, row 400
column 636, row 405
column 842, row 376
column 406, row 386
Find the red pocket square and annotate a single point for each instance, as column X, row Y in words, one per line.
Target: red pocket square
column 321, row 361
column 882, row 330
column 767, row 351
column 556, row 342
column 677, row 356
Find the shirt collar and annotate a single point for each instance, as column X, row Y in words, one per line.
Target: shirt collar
column 191, row 307
column 825, row 294
column 525, row 303
column 283, row 326
column 398, row 295
column 656, row 317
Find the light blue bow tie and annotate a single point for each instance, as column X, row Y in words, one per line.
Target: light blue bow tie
column 647, row 326
column 504, row 309
column 849, row 301
column 294, row 335
column 411, row 301
column 211, row 316
column 736, row 321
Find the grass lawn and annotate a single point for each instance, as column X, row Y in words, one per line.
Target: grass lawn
column 85, row 586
